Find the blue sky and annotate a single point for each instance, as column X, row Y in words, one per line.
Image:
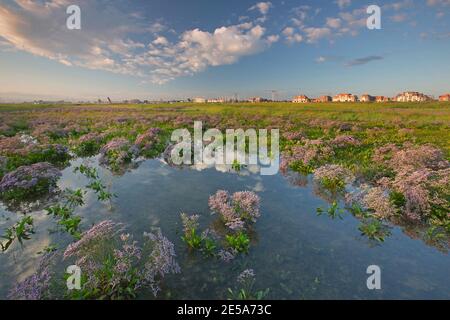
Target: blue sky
column 177, row 49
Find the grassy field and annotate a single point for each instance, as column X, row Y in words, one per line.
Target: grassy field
column 426, row 122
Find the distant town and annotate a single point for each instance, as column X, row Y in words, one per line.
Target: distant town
column 407, row 96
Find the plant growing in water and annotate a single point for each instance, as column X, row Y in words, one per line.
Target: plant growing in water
column 333, row 177
column 64, row 212
column 190, row 226
column 95, row 183
column 116, row 267
column 333, row 211
column 245, row 290
column 239, row 242
column 374, row 230
column 22, row 230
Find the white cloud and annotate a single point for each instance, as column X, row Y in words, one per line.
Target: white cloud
column 334, row 23
column 315, row 34
column 160, row 41
column 262, row 7
column 291, row 36
column 110, row 41
column 343, row 3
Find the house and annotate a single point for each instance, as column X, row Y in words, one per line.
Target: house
column 219, row 100
column 199, row 100
column 381, row 99
column 366, row 98
column 445, row 97
column 345, row 97
column 323, row 99
column 301, row 99
column 411, row 96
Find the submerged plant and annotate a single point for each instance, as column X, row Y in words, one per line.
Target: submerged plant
column 95, row 183
column 190, row 226
column 64, row 212
column 333, row 211
column 374, row 230
column 20, row 231
column 239, row 242
column 245, row 289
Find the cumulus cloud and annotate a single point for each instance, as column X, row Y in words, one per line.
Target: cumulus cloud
column 362, row 61
column 262, row 7
column 334, row 23
column 108, row 40
column 315, row 34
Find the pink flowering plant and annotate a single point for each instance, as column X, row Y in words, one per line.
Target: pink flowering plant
column 117, row 153
column 237, row 211
column 333, row 177
column 245, row 289
column 88, row 144
column 116, row 266
column 29, row 182
column 151, row 143
column 37, row 286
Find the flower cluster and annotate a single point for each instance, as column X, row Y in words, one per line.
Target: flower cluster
column 421, row 178
column 245, row 276
column 333, row 177
column 117, row 152
column 227, row 255
column 36, row 286
column 160, row 262
column 15, row 146
column 409, row 157
column 293, row 135
column 345, row 141
column 237, row 210
column 373, row 199
column 101, row 231
column 189, row 222
column 301, row 157
column 36, row 179
column 118, row 273
column 146, row 141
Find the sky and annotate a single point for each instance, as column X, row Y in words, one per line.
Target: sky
column 176, row 49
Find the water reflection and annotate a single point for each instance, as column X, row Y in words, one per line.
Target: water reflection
column 294, row 252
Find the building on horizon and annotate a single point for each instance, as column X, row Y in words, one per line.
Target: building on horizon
column 366, row 98
column 199, row 100
column 345, row 97
column 323, row 99
column 380, row 99
column 216, row 100
column 301, row 99
column 411, row 96
column 444, row 97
